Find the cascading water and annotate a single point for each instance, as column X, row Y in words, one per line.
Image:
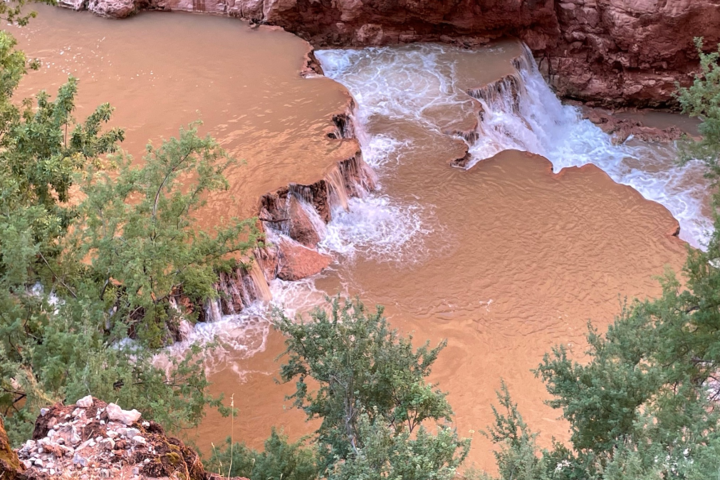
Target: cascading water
column 428, row 88
column 502, row 260
column 518, row 111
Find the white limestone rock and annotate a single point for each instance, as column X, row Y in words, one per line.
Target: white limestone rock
column 128, row 417
column 85, row 402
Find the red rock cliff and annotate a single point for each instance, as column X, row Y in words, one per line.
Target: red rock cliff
column 633, row 51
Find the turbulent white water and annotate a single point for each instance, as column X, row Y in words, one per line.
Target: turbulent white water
column 419, row 86
column 413, row 83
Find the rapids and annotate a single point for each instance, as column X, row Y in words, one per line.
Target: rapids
column 548, row 226
column 518, row 111
column 504, row 259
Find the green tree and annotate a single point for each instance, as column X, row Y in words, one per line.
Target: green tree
column 139, row 233
column 372, row 394
column 387, row 453
column 702, row 100
column 280, row 460
column 76, row 280
column 15, row 11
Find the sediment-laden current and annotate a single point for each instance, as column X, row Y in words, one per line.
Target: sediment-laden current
column 546, row 225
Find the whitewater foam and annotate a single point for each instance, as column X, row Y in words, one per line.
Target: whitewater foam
column 418, row 84
column 378, row 228
column 539, row 123
column 522, row 113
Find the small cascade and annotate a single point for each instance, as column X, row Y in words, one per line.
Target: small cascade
column 505, row 91
column 259, row 283
column 359, row 178
column 212, row 310
column 336, row 188
column 295, row 220
column 406, row 85
column 521, row 112
column 350, row 178
column 343, row 125
column 307, row 216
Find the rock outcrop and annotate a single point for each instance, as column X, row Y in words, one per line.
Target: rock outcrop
column 612, row 52
column 296, row 261
column 93, row 439
column 112, row 8
column 620, row 129
column 607, row 52
column 10, row 466
column 294, row 219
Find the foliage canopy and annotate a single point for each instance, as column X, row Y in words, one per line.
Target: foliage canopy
column 372, row 396
column 89, row 256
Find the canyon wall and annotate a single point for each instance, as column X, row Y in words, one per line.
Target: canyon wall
column 606, row 52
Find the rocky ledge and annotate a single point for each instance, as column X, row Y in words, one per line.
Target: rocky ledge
column 621, row 129
column 93, row 440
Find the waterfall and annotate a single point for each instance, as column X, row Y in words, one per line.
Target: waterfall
column 517, row 111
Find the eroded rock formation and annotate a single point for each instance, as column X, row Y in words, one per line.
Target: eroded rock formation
column 294, row 219
column 93, row 439
column 608, row 52
column 632, row 51
column 622, row 128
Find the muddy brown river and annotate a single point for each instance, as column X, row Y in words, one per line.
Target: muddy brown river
column 504, row 259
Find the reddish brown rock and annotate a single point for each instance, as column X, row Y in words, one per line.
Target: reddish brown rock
column 302, row 227
column 621, row 128
column 297, row 261
column 10, row 466
column 631, row 52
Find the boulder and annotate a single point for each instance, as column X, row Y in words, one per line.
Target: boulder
column 302, row 229
column 112, row 8
column 104, row 448
column 297, row 261
column 127, row 417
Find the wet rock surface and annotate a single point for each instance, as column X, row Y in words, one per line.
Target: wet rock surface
column 621, row 129
column 607, row 52
column 298, row 261
column 93, row 439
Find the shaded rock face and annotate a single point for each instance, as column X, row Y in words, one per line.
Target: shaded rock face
column 607, row 52
column 10, row 466
column 613, row 52
column 93, row 439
